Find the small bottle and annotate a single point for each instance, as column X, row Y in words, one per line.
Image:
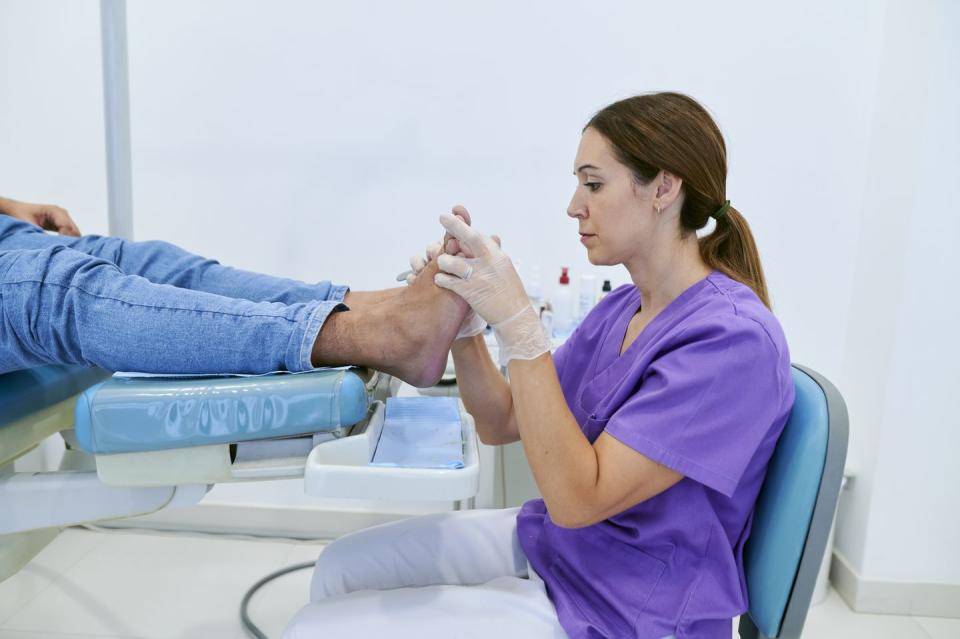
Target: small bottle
column 604, row 290
column 562, row 303
column 546, row 319
column 588, row 296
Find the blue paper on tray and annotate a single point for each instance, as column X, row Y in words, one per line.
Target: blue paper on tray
column 421, row 432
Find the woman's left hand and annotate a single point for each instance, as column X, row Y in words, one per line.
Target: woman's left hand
column 492, row 287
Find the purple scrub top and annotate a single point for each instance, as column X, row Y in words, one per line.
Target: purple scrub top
column 705, row 390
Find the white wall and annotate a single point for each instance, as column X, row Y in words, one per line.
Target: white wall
column 307, row 139
column 899, row 521
column 51, row 107
column 319, row 140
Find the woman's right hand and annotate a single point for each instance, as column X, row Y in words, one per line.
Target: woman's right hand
column 485, row 277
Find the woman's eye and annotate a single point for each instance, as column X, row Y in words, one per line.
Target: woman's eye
column 593, row 186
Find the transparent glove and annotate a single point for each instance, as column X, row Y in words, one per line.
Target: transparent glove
column 473, row 324
column 492, row 287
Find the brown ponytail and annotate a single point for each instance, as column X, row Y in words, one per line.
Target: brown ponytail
column 672, row 132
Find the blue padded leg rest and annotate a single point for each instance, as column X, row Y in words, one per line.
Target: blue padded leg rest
column 137, row 414
column 27, row 391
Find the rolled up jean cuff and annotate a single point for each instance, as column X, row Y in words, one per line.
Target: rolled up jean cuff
column 299, row 356
column 337, row 292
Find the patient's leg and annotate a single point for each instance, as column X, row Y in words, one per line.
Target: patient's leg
column 165, row 263
column 407, row 332
column 62, row 306
column 96, row 314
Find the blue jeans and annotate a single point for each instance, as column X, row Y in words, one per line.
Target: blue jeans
column 149, row 307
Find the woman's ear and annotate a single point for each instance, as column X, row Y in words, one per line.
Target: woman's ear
column 668, row 188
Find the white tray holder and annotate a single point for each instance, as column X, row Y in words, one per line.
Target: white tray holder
column 341, row 468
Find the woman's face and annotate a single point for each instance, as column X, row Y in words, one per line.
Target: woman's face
column 615, row 213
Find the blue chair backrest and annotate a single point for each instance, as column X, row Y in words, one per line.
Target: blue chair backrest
column 795, row 509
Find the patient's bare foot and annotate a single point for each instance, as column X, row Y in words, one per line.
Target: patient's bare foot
column 407, row 333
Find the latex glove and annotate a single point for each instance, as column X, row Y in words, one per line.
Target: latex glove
column 47, row 216
column 419, row 262
column 492, row 287
column 450, row 244
column 473, row 324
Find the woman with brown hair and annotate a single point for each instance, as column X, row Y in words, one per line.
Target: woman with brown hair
column 648, row 432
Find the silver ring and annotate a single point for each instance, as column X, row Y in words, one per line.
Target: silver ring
column 466, row 276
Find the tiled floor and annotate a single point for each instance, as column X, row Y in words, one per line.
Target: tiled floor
column 137, row 585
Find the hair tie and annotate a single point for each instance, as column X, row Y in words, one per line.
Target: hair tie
column 722, row 211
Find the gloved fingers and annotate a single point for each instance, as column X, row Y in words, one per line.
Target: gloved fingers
column 449, row 282
column 450, row 244
column 455, row 248
column 433, row 250
column 417, row 263
column 472, row 242
column 461, row 211
column 462, row 267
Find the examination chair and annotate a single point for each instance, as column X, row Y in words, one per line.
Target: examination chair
column 139, row 444
column 795, row 510
column 140, row 462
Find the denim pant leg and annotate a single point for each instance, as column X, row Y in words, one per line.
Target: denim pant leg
column 165, row 263
column 58, row 305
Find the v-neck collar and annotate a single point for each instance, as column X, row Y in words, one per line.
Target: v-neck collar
column 611, row 368
column 613, row 340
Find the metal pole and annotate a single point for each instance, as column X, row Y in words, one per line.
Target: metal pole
column 116, row 114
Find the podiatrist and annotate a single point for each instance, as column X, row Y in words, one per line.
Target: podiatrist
column 648, row 431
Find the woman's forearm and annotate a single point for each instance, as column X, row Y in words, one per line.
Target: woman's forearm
column 484, row 391
column 563, row 462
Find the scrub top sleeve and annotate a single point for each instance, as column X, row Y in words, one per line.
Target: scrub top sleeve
column 706, row 405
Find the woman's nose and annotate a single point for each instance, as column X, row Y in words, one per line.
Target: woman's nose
column 576, row 207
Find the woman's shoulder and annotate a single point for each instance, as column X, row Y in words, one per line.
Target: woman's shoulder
column 728, row 315
column 729, row 333
column 735, row 306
